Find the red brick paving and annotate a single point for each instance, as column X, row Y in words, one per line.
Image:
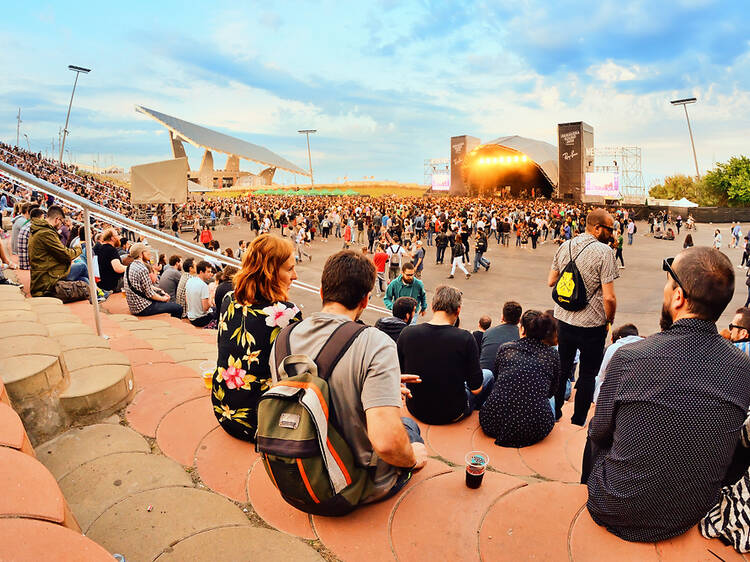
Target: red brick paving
column 182, row 430
column 224, row 463
column 28, row 540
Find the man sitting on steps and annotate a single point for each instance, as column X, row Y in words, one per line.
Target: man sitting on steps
column 365, row 384
column 670, row 410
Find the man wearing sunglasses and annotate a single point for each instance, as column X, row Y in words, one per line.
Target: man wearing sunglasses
column 670, row 410
column 586, row 329
column 739, row 329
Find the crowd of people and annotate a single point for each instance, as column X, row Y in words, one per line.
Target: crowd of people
column 665, row 440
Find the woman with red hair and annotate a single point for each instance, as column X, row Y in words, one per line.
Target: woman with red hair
column 250, row 318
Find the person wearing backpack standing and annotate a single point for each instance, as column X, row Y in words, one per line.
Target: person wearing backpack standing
column 585, row 328
column 396, row 253
column 364, row 395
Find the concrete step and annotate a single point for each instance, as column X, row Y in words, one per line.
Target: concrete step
column 8, row 315
column 144, row 525
column 28, row 539
column 98, row 391
column 29, row 345
column 41, row 301
column 97, row 485
column 22, row 328
column 69, row 329
column 10, row 292
column 76, row 359
column 31, row 375
column 16, row 304
column 80, row 445
column 240, row 543
column 77, row 341
column 57, row 317
column 33, row 383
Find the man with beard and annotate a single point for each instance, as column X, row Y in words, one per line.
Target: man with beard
column 585, row 330
column 670, row 410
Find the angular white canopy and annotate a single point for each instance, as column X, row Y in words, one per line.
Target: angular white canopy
column 219, row 142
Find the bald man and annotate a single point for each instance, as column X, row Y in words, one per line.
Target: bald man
column 585, row 330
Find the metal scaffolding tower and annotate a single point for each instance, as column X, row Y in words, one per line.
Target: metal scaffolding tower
column 626, row 161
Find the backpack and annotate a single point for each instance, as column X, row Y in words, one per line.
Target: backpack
column 635, row 228
column 570, row 291
column 396, row 254
column 301, row 447
column 70, row 291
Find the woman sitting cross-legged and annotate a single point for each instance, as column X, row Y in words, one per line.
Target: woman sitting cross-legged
column 517, row 412
column 250, row 319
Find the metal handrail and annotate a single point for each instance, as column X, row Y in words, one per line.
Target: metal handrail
column 89, row 208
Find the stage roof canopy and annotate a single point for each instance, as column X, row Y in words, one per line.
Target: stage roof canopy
column 219, row 142
column 543, row 154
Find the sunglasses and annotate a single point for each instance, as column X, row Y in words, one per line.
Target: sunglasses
column 610, row 228
column 733, row 326
column 667, row 266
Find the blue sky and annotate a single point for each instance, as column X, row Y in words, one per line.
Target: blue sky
column 385, row 83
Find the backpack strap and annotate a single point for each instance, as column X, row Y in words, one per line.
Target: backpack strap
column 337, row 345
column 581, row 251
column 282, row 343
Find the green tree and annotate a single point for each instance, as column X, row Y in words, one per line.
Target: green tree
column 676, row 187
column 730, row 181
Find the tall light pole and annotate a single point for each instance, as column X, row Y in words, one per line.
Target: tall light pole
column 77, row 70
column 309, row 158
column 18, row 125
column 28, row 145
column 684, row 103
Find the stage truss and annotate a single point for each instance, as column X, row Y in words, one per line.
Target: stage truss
column 624, row 160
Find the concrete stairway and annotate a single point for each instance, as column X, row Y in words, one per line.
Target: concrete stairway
column 56, row 371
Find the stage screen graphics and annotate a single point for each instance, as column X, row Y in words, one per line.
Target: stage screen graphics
column 603, row 184
column 441, row 181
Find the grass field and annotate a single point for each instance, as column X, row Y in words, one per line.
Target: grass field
column 373, row 189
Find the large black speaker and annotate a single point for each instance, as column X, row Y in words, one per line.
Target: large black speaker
column 460, row 146
column 575, row 144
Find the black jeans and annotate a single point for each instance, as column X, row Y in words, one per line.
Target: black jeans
column 590, row 341
column 156, row 307
column 440, row 255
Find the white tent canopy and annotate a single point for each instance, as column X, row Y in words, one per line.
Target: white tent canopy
column 684, row 202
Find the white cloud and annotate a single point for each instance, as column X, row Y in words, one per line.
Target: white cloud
column 610, row 71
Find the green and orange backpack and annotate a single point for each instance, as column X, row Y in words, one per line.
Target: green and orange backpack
column 301, row 447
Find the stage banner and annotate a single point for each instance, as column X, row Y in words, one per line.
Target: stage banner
column 159, row 182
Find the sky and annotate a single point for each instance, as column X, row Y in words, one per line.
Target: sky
column 386, row 84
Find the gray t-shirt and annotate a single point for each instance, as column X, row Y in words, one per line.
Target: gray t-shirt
column 597, row 266
column 169, row 281
column 367, row 376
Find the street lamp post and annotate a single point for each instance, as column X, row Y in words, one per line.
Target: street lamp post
column 77, row 70
column 309, row 158
column 28, row 145
column 684, row 103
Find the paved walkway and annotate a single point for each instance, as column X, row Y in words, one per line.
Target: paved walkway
column 164, row 482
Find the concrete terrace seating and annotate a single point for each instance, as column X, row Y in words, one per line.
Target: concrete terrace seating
column 165, row 482
column 35, row 520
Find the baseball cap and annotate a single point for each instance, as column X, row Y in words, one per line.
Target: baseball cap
column 137, row 249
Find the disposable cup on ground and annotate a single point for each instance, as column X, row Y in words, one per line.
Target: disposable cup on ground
column 476, row 464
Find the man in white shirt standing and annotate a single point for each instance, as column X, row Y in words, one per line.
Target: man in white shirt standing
column 197, row 297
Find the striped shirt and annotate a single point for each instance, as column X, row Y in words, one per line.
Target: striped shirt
column 23, row 246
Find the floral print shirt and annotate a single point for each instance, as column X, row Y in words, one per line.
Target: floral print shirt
column 246, row 334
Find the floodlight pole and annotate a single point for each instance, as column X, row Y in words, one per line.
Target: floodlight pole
column 684, row 103
column 77, row 70
column 18, row 126
column 309, row 158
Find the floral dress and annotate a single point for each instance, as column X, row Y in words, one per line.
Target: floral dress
column 246, row 334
